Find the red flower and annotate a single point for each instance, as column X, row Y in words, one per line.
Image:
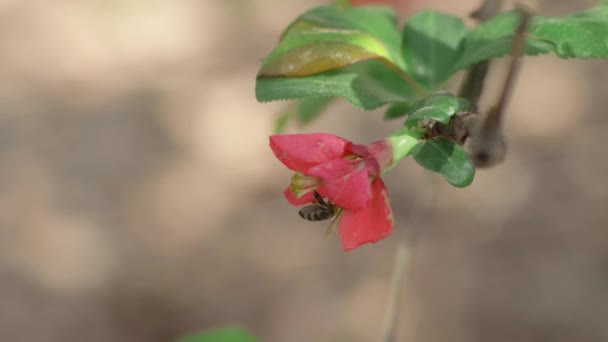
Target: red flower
column 347, row 174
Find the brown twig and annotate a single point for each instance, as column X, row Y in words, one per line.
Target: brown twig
column 472, row 86
column 488, row 147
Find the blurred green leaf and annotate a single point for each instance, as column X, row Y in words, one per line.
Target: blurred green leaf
column 229, row 334
column 342, row 4
column 307, row 110
column 397, row 110
column 366, row 85
column 431, row 44
column 578, row 35
column 280, row 124
column 446, row 158
column 302, row 112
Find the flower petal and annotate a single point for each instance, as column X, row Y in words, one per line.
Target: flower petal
column 369, row 224
column 303, row 151
column 305, row 199
column 379, row 155
column 347, row 182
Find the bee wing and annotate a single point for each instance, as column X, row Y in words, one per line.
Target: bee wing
column 333, row 226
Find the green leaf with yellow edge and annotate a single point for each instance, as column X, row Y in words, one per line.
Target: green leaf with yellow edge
column 446, row 158
column 328, row 38
column 377, row 21
column 342, row 4
column 366, row 85
column 304, row 57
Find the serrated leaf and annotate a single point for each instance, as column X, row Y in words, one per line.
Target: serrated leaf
column 328, row 38
column 431, row 44
column 229, row 334
column 440, row 106
column 579, row 35
column 397, row 110
column 446, row 158
column 366, row 85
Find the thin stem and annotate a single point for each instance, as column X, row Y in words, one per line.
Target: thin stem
column 392, row 311
column 423, row 205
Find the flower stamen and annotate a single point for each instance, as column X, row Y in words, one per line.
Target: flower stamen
column 302, row 184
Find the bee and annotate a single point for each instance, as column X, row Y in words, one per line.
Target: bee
column 320, row 211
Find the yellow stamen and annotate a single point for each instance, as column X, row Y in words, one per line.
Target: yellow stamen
column 302, row 184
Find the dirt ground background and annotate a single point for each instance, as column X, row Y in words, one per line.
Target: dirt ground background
column 139, row 199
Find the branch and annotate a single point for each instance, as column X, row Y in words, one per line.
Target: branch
column 488, row 147
column 472, row 86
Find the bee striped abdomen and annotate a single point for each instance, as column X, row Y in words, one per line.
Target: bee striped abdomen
column 318, row 211
column 315, row 212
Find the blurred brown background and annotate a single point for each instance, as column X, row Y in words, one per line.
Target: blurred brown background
column 139, row 200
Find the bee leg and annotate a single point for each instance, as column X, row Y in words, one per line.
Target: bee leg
column 333, row 226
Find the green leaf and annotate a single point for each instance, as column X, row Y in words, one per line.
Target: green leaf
column 303, row 112
column 328, row 38
column 379, row 22
column 446, row 158
column 229, row 334
column 440, row 106
column 397, row 110
column 308, row 110
column 342, row 4
column 431, row 44
column 579, row 35
column 366, row 85
column 280, row 124
column 316, row 53
column 330, row 51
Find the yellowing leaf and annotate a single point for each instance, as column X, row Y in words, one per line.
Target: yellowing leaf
column 315, row 57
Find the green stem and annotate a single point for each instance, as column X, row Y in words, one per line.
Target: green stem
column 401, row 143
